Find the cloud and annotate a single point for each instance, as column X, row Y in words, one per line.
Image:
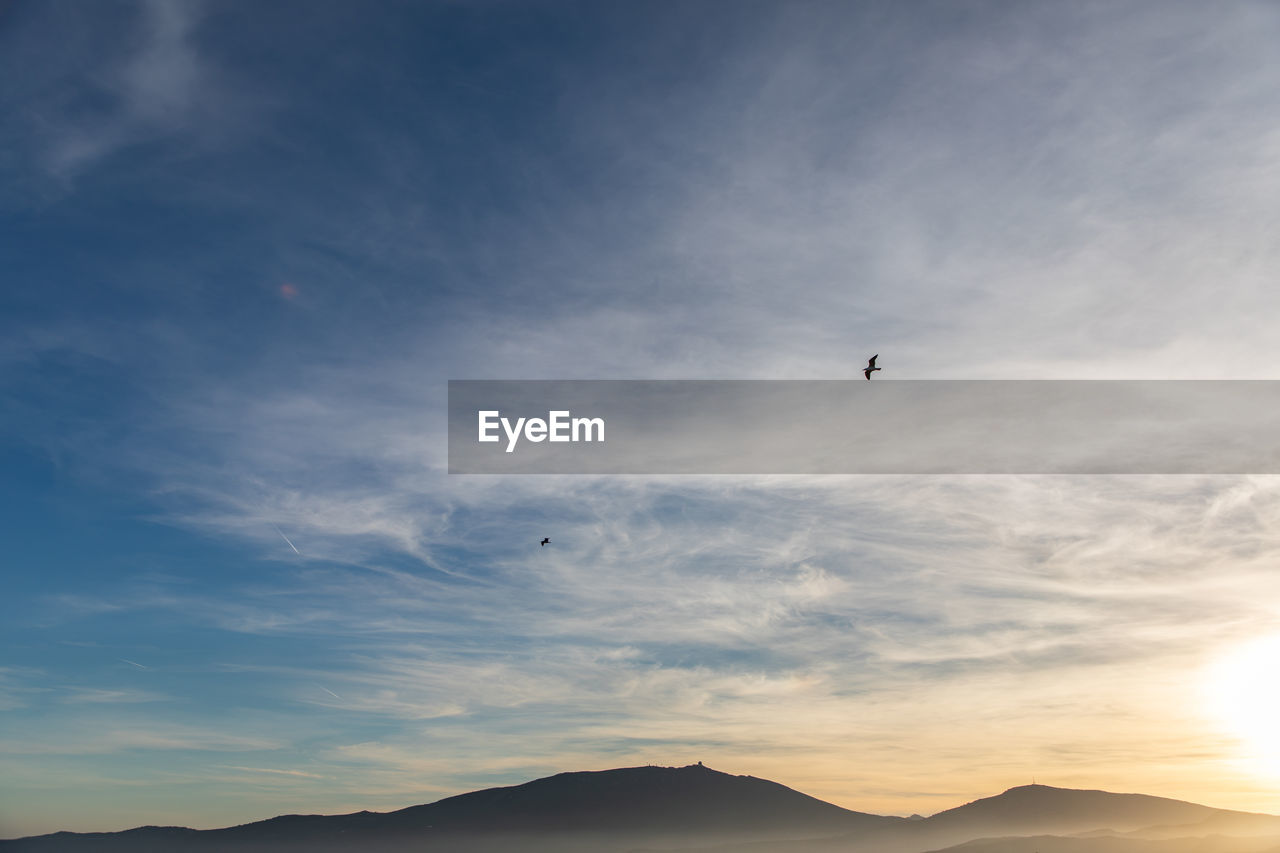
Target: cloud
column 785, row 581
column 98, row 696
column 153, row 89
column 16, row 691
column 297, row 773
column 116, row 79
column 156, row 735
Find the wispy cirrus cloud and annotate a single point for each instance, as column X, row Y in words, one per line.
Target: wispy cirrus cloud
column 101, row 696
column 160, row 736
column 16, row 687
column 274, row 771
column 136, row 78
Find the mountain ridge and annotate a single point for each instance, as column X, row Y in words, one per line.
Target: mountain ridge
column 1025, row 805
column 670, row 808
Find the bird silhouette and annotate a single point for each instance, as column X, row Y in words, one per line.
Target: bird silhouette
column 544, row 541
column 871, row 365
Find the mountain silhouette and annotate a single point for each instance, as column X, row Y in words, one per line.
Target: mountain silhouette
column 682, row 799
column 602, row 810
column 1037, row 817
column 697, row 808
column 1044, row 809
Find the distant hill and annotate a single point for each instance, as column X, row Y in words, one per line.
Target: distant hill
column 1043, row 809
column 677, row 799
column 697, row 808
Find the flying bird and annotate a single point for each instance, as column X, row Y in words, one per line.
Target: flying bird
column 544, row 542
column 871, row 365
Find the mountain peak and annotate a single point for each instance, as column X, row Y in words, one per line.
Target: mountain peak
column 663, row 798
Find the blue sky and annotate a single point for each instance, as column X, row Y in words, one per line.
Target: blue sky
column 244, row 246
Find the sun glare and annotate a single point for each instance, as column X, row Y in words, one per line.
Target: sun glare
column 1244, row 694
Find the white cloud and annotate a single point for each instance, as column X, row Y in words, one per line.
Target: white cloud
column 155, row 87
column 154, row 735
column 101, row 696
column 273, row 771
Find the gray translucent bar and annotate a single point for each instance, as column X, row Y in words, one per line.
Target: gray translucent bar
column 860, row 427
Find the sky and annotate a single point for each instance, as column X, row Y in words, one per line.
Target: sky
column 244, row 246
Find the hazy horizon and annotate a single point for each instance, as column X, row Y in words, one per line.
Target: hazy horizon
column 244, row 247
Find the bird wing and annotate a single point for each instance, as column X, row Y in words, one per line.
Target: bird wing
column 872, row 362
column 867, row 373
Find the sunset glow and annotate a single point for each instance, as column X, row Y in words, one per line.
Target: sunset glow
column 1244, row 690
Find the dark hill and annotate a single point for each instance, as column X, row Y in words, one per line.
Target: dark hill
column 1004, row 822
column 1042, row 809
column 660, row 808
column 679, row 799
column 604, row 810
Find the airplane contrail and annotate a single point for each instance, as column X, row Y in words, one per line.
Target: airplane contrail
column 327, row 690
column 132, row 663
column 286, row 538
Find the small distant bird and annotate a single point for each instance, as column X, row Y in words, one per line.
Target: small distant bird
column 544, row 542
column 871, row 365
